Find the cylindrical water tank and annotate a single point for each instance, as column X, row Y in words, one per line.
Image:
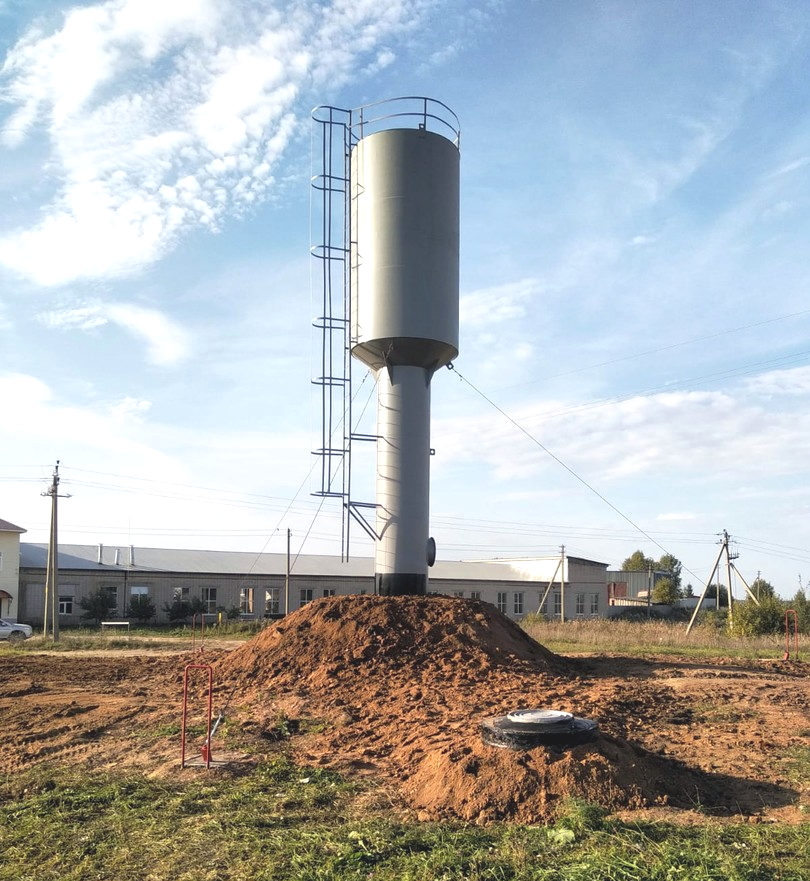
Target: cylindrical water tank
column 405, row 249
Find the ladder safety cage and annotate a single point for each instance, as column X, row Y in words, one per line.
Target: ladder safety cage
column 336, row 132
column 329, row 248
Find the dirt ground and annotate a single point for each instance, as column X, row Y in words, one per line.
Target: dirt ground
column 394, row 690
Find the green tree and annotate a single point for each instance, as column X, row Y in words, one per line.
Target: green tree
column 637, row 562
column 141, row 608
column 96, row 605
column 665, row 591
column 761, row 588
column 711, row 594
column 672, row 566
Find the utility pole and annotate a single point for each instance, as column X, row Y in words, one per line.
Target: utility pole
column 729, row 565
column 562, row 583
column 649, row 590
column 287, row 577
column 52, row 572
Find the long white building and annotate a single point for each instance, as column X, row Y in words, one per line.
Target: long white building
column 257, row 585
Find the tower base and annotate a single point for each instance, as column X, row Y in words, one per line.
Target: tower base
column 390, row 584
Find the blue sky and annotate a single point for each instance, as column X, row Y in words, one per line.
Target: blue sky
column 634, row 272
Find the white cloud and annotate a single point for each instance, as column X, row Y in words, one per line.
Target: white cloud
column 167, row 343
column 676, row 516
column 166, row 116
column 78, row 318
column 38, row 410
column 383, row 59
column 782, row 382
column 673, row 436
column 129, row 408
column 774, row 212
column 499, row 303
column 795, row 165
column 21, row 393
column 56, row 76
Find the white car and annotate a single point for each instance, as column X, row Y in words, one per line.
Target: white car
column 14, row 632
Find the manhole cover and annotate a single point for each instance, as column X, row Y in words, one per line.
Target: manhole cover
column 540, row 717
column 525, row 729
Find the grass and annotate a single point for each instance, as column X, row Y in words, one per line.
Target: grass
column 597, row 635
column 140, row 637
column 653, row 637
column 283, row 822
column 797, row 764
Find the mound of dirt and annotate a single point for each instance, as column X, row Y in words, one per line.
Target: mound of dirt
column 383, row 636
column 396, row 687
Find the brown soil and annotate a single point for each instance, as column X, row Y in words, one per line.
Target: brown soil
column 394, row 689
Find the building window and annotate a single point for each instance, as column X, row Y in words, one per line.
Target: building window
column 65, row 605
column 112, row 592
column 139, row 591
column 272, row 601
column 180, row 593
column 246, row 600
column 329, row 591
column 557, row 603
column 304, row 596
column 503, row 602
column 542, row 607
column 580, row 607
column 517, row 605
column 475, row 594
column 209, row 598
column 459, row 594
column 594, row 604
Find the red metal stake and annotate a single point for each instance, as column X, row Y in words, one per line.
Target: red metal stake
column 791, row 617
column 194, row 632
column 206, row 750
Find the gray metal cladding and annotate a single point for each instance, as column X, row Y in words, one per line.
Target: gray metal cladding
column 405, row 249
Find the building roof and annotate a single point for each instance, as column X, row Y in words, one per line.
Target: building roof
column 635, row 575
column 105, row 558
column 5, row 526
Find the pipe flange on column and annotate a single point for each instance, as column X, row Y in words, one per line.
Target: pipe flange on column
column 431, row 551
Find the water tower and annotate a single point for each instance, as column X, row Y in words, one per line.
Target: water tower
column 399, row 260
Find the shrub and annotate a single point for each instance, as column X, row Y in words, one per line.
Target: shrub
column 801, row 605
column 141, row 608
column 96, row 605
column 751, row 619
column 180, row 610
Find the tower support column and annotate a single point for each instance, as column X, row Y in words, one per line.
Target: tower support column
column 403, row 480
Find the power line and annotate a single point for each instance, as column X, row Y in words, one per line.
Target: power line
column 570, row 470
column 666, row 388
column 666, row 348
